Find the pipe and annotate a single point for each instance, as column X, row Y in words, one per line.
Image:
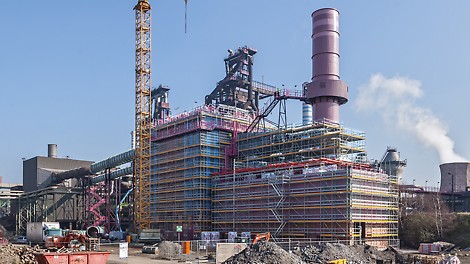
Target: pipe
column 74, row 173
column 96, row 167
column 113, row 175
column 113, row 161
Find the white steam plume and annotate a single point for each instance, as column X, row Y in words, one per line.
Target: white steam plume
column 394, row 99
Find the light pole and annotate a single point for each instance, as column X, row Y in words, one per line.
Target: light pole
column 425, row 185
column 414, row 182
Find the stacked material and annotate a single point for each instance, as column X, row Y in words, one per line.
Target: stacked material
column 18, row 255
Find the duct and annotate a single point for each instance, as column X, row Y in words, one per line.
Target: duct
column 113, row 175
column 112, row 162
column 59, row 177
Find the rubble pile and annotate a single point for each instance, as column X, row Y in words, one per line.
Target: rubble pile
column 169, row 250
column 18, row 255
column 264, row 253
column 270, row 253
column 324, row 252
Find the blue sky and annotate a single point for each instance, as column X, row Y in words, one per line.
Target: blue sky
column 66, row 68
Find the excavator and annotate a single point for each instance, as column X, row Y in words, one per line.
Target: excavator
column 266, row 236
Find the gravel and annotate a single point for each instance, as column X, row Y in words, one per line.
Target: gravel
column 264, row 253
column 270, row 253
column 356, row 254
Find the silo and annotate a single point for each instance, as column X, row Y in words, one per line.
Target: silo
column 306, row 114
column 392, row 164
column 455, row 177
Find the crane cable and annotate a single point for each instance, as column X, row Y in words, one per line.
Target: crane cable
column 185, row 15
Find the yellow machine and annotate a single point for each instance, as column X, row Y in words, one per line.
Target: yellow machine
column 338, row 261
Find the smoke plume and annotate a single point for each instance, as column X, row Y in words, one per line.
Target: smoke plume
column 394, row 99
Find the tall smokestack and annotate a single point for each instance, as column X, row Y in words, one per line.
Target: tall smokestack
column 52, row 150
column 326, row 92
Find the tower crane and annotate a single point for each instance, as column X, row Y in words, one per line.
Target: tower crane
column 143, row 117
column 143, row 124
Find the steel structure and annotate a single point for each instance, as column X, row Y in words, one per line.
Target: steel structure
column 320, row 199
column 142, row 217
column 52, row 204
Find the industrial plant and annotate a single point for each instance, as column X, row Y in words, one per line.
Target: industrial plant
column 232, row 166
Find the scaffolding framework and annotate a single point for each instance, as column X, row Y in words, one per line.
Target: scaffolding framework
column 321, row 199
column 302, row 143
column 187, row 149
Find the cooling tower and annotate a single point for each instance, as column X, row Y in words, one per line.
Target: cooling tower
column 455, row 177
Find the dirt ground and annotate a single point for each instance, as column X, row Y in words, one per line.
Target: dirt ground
column 137, row 257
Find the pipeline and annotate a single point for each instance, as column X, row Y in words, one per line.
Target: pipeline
column 112, row 162
column 96, row 167
column 113, row 175
column 74, row 173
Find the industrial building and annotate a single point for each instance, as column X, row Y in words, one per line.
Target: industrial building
column 225, row 167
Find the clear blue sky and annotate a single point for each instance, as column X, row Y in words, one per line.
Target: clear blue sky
column 67, row 68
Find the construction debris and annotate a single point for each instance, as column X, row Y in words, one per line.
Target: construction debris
column 363, row 254
column 270, row 253
column 18, row 255
column 169, row 250
column 264, row 253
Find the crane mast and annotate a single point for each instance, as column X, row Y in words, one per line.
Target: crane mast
column 142, row 217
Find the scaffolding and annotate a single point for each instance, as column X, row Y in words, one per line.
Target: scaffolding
column 320, row 199
column 317, row 140
column 186, row 150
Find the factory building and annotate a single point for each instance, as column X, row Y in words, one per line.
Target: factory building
column 46, row 199
column 224, row 167
column 37, row 171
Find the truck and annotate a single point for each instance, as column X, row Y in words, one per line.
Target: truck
column 38, row 232
column 149, row 236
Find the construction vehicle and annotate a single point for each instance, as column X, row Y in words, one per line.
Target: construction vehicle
column 38, row 232
column 71, row 240
column 338, row 261
column 259, row 237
